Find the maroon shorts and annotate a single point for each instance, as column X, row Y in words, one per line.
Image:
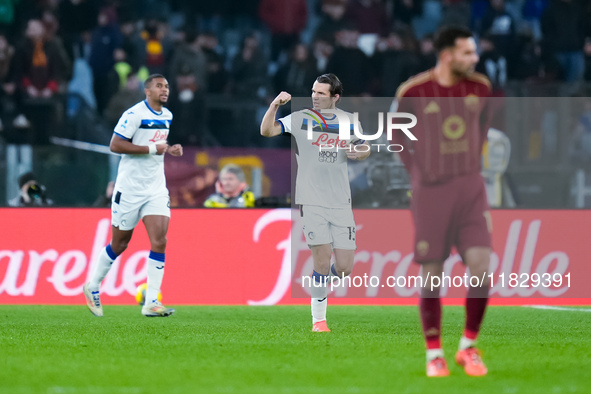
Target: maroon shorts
column 454, row 213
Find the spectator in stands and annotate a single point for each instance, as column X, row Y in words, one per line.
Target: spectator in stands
column 492, row 64
column 125, row 98
column 106, row 37
column 217, row 77
column 532, row 15
column 298, row 74
column 121, row 70
column 51, row 25
column 332, row 20
column 76, row 17
column 249, row 69
column 526, row 65
column 427, row 57
column 397, row 60
column 456, row 12
column 285, row 19
column 350, row 64
column 563, row 29
column 31, row 193
column 368, row 17
column 36, row 72
column 322, row 50
column 189, row 57
column 499, row 27
column 6, row 106
column 133, row 45
column 187, row 104
column 158, row 46
column 231, row 190
column 406, row 10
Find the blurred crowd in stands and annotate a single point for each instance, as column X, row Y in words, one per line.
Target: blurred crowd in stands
column 244, row 52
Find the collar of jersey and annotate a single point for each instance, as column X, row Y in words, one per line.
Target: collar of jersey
column 150, row 108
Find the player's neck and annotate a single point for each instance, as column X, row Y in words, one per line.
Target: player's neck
column 444, row 76
column 156, row 106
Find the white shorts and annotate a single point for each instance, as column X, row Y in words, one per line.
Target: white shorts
column 127, row 210
column 335, row 226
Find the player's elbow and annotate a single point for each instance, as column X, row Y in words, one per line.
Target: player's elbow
column 114, row 146
column 267, row 132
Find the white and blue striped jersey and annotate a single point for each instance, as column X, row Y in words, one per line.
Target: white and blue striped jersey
column 142, row 174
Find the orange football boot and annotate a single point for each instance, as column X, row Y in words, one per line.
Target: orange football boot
column 437, row 368
column 471, row 361
column 320, row 327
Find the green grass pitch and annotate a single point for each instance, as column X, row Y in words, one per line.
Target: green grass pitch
column 223, row 349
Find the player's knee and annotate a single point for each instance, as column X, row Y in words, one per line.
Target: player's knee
column 344, row 271
column 159, row 243
column 119, row 246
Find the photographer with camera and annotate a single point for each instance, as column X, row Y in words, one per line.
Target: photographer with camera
column 32, row 193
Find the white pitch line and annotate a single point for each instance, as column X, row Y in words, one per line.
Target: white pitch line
column 558, row 308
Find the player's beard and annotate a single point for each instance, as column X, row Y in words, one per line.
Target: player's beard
column 460, row 72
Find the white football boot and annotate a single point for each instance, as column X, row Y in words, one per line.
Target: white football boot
column 156, row 309
column 93, row 301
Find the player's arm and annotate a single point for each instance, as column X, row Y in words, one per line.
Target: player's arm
column 269, row 126
column 122, row 145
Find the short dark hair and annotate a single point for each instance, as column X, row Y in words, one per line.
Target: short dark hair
column 152, row 77
column 446, row 37
column 336, row 87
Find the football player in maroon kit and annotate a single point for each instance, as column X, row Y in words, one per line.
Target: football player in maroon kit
column 448, row 205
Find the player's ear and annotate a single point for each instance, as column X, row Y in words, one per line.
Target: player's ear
column 337, row 97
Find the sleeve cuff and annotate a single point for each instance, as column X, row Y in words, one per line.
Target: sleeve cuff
column 282, row 127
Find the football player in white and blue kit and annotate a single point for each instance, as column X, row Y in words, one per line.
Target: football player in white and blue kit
column 322, row 185
column 140, row 192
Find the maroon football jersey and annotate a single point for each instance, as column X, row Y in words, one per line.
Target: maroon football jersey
column 452, row 123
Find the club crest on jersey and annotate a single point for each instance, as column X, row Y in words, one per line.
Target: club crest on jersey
column 472, row 102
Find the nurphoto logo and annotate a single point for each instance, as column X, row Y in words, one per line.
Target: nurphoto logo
column 326, row 142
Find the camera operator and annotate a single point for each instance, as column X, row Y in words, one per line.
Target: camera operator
column 32, row 193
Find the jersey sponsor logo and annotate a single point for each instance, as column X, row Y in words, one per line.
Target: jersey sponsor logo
column 159, row 135
column 454, row 127
column 324, row 140
column 327, row 156
column 453, row 147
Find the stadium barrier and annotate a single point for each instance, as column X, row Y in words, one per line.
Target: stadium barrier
column 244, row 257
